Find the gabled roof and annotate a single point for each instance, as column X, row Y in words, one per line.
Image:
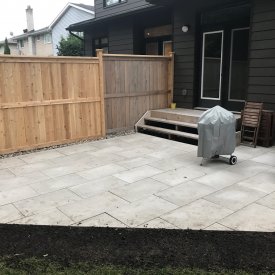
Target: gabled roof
column 82, row 7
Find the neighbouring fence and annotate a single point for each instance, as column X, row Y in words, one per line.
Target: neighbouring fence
column 47, row 101
column 133, row 85
column 53, row 100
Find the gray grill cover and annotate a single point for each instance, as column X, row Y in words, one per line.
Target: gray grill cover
column 217, row 133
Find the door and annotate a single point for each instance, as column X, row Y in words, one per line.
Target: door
column 224, row 68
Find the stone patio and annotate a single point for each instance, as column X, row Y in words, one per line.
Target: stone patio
column 139, row 181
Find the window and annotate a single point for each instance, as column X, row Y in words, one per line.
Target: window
column 21, row 43
column 47, row 38
column 108, row 3
column 101, row 43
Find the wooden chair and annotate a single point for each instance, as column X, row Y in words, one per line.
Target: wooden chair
column 251, row 118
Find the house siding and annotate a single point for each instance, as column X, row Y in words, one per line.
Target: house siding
column 261, row 82
column 71, row 16
column 121, row 37
column 130, row 5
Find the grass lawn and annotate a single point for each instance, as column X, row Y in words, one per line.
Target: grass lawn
column 44, row 266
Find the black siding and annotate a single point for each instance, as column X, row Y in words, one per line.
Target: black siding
column 130, row 5
column 261, row 85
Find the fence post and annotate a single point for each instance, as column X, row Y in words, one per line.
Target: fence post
column 99, row 54
column 171, row 78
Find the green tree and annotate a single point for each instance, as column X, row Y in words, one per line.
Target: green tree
column 71, row 46
column 6, row 47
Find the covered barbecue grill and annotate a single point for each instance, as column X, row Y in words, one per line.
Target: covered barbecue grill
column 217, row 134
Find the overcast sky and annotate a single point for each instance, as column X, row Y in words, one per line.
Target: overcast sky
column 13, row 14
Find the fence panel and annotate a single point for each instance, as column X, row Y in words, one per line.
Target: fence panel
column 133, row 85
column 46, row 101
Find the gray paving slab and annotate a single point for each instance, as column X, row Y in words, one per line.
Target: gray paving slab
column 254, row 217
column 197, row 215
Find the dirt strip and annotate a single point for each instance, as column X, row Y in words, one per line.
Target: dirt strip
column 141, row 247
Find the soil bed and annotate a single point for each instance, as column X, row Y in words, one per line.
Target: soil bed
column 139, row 248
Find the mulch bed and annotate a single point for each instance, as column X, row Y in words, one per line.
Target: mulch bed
column 144, row 248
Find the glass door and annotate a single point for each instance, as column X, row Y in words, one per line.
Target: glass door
column 212, row 64
column 238, row 72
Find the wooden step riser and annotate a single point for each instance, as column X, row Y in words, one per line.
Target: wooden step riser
column 176, row 117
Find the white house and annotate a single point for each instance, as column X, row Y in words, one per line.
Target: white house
column 43, row 42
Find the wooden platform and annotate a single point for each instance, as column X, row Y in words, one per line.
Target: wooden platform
column 177, row 124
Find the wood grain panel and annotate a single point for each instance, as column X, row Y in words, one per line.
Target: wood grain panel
column 45, row 101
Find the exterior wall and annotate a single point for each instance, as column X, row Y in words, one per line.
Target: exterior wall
column 121, row 37
column 130, row 5
column 40, row 48
column 43, row 49
column 13, row 49
column 71, row 16
column 262, row 54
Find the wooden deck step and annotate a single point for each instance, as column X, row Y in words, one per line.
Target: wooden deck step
column 172, row 122
column 169, row 132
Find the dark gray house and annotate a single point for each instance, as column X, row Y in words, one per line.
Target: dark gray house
column 224, row 49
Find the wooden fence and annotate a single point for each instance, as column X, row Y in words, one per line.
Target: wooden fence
column 133, row 85
column 47, row 101
column 55, row 100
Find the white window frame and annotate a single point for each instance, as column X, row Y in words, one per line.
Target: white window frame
column 221, row 64
column 230, row 68
column 45, row 41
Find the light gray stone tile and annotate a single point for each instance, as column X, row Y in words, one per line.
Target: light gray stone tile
column 142, row 211
column 235, row 197
column 138, row 173
column 105, row 151
column 58, row 183
column 6, row 174
column 158, row 223
column 254, row 217
column 91, row 207
column 139, row 189
column 264, row 182
column 31, row 168
column 9, row 213
column 135, row 152
column 16, row 194
column 10, row 162
column 136, row 162
column 40, row 156
column 185, row 193
column 77, row 148
column 218, row 227
column 268, row 158
column 165, row 153
column 101, row 171
column 63, row 170
column 248, row 168
column 268, row 201
column 167, row 164
column 220, row 179
column 196, row 215
column 98, row 186
column 102, row 220
column 50, row 217
column 46, row 202
column 20, row 181
column 177, row 176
